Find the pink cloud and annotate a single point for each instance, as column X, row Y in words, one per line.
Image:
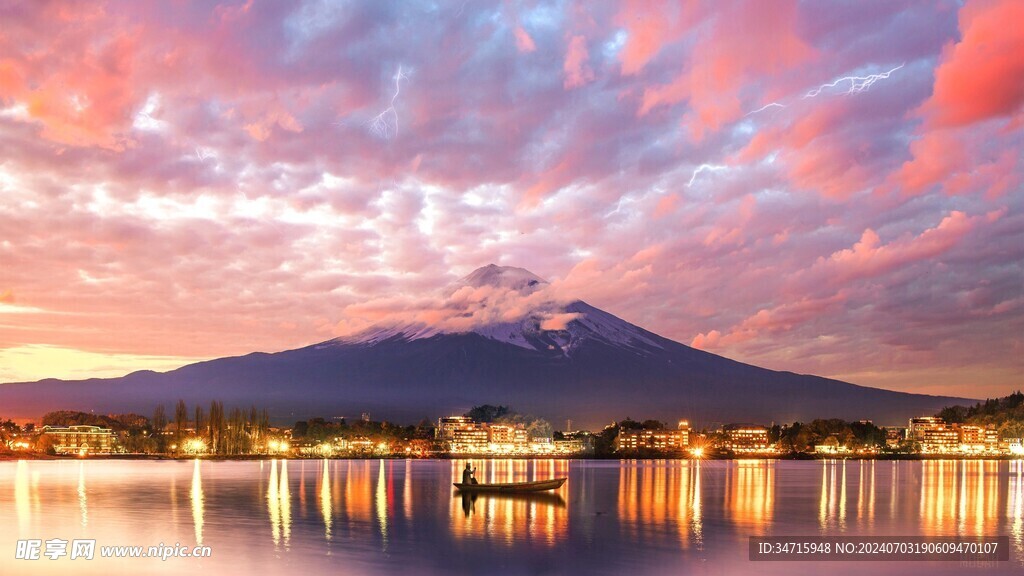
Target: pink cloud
column 743, row 42
column 769, row 321
column 870, row 257
column 524, row 43
column 577, row 71
column 650, row 25
column 304, row 224
column 977, row 80
column 935, row 155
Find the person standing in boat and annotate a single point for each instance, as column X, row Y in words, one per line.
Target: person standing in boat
column 467, row 474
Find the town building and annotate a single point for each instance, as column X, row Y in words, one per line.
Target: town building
column 935, row 436
column 940, row 439
column 746, row 437
column 978, row 438
column 894, row 436
column 660, row 440
column 1012, row 446
column 469, row 440
column 447, row 426
column 918, row 426
column 507, row 434
column 576, row 445
column 80, row 439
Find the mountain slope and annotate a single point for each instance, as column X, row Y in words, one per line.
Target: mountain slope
column 558, row 360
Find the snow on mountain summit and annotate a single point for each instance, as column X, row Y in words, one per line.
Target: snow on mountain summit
column 513, row 306
column 502, row 277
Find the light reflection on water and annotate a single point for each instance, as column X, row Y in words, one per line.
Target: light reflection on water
column 197, row 502
column 371, row 517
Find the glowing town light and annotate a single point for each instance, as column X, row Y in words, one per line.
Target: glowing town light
column 277, row 446
column 194, row 446
column 697, row 452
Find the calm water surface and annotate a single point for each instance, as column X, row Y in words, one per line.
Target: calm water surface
column 402, row 517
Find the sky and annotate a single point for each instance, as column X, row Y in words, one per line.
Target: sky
column 830, row 188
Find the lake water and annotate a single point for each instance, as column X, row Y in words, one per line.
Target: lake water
column 403, row 517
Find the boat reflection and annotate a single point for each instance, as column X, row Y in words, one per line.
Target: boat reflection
column 469, row 499
column 509, row 518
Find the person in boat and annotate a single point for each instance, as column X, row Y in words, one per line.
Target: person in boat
column 467, row 475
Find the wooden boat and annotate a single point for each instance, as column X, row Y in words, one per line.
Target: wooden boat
column 538, row 486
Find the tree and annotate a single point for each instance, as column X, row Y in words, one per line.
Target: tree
column 199, row 420
column 630, row 424
column 159, row 423
column 488, row 413
column 216, row 427
column 604, row 442
column 180, row 423
column 45, row 444
column 954, row 414
column 539, row 428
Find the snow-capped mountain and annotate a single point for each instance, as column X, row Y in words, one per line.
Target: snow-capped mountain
column 548, row 326
column 500, row 335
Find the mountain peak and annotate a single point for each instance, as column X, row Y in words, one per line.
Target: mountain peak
column 508, row 277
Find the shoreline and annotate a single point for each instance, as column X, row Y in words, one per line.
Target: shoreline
column 12, row 457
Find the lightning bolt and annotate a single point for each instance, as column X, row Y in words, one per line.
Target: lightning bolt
column 705, row 168
column 385, row 124
column 858, row 84
column 204, row 154
column 765, row 107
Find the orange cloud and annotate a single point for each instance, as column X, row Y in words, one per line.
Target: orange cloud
column 980, row 77
column 82, row 99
